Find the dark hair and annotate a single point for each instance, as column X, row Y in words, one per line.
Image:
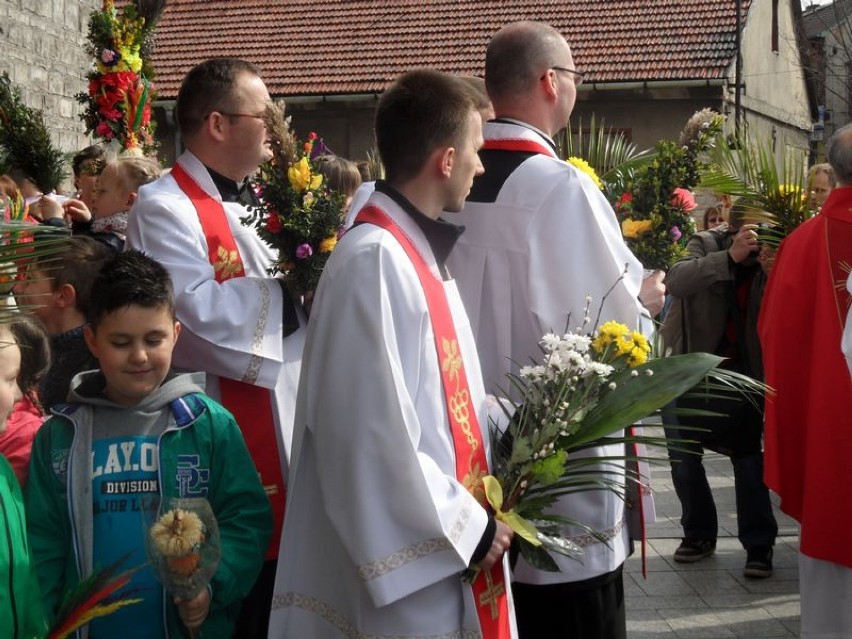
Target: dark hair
column 34, row 343
column 417, row 114
column 341, row 175
column 89, row 161
column 208, row 86
column 130, row 279
column 76, row 261
column 478, row 93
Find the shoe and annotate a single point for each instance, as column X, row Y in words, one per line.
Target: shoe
column 692, row 550
column 759, row 563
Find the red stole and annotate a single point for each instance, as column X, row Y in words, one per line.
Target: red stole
column 489, row 588
column 517, row 144
column 808, row 432
column 251, row 405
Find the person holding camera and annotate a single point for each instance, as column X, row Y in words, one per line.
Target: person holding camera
column 716, row 290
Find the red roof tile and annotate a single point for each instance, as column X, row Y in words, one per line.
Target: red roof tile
column 339, row 47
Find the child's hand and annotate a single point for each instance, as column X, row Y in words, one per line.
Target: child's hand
column 76, row 211
column 195, row 611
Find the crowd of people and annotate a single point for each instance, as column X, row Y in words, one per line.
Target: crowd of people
column 341, row 445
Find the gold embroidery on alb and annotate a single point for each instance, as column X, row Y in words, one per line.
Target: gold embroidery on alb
column 228, row 265
column 489, row 596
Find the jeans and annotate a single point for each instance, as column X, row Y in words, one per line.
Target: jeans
column 756, row 525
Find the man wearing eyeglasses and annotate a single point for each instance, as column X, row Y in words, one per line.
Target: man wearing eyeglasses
column 539, row 238
column 239, row 325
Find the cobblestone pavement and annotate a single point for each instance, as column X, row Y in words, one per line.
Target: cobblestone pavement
column 710, row 599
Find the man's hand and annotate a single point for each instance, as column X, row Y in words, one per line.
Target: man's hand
column 195, row 611
column 653, row 293
column 502, row 539
column 745, row 243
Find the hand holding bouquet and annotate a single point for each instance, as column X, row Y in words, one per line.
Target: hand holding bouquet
column 586, row 390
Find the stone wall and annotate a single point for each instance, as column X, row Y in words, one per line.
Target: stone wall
column 41, row 49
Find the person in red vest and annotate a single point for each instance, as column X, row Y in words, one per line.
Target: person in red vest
column 384, row 513
column 808, row 428
column 240, row 326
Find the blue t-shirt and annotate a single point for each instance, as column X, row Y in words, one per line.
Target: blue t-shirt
column 125, row 489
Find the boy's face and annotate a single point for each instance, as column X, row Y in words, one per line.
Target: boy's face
column 134, row 348
column 10, row 364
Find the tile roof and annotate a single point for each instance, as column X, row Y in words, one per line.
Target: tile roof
column 819, row 18
column 339, row 47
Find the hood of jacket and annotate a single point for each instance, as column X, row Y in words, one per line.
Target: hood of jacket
column 88, row 388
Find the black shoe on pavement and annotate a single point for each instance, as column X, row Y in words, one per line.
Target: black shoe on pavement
column 759, row 563
column 692, row 550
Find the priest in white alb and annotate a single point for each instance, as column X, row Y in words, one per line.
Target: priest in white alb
column 539, row 238
column 385, row 513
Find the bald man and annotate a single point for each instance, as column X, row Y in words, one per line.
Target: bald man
column 540, row 237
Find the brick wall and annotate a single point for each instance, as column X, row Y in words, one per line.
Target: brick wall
column 41, row 48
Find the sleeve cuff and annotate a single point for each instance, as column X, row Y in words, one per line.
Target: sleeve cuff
column 289, row 316
column 485, row 543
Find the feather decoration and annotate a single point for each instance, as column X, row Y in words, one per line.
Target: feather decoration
column 96, row 596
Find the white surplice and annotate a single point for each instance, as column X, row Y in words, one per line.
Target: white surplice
column 231, row 329
column 378, row 529
column 525, row 265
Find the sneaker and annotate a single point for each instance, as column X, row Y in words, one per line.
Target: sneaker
column 692, row 550
column 759, row 563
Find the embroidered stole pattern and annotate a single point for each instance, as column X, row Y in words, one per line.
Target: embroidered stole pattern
column 489, row 589
column 251, row 405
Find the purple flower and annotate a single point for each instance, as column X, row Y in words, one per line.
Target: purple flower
column 676, row 234
column 304, row 251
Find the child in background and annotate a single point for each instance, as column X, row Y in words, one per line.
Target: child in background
column 55, row 289
column 138, row 433
column 341, row 175
column 21, row 613
column 113, row 196
column 27, row 415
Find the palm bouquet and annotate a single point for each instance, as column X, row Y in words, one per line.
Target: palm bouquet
column 773, row 187
column 589, row 386
column 654, row 211
column 299, row 217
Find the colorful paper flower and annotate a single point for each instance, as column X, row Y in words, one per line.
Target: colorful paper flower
column 583, row 166
column 301, row 178
column 634, row 228
column 304, row 251
column 328, row 244
column 684, row 199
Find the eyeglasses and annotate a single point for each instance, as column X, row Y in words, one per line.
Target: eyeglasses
column 578, row 75
column 243, row 115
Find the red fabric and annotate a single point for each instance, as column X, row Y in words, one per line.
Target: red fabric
column 251, row 405
column 527, row 146
column 17, row 441
column 489, row 588
column 809, row 419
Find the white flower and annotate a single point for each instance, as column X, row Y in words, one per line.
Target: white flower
column 634, row 373
column 550, row 342
column 649, row 372
column 612, row 385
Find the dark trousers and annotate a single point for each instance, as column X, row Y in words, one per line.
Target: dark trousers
column 590, row 609
column 756, row 525
column 253, row 622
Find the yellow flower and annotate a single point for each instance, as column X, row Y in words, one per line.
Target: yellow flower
column 634, row 228
column 585, row 167
column 133, row 61
column 640, row 341
column 636, row 357
column 300, row 176
column 609, row 333
column 328, row 244
column 623, row 346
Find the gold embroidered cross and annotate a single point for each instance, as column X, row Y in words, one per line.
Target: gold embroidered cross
column 488, row 597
